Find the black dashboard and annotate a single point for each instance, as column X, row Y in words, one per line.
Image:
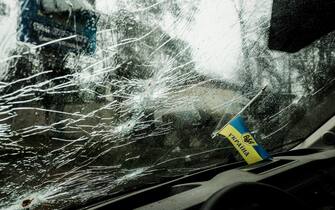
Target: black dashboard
column 307, row 174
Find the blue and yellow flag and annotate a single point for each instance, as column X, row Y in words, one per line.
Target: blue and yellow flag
column 239, row 135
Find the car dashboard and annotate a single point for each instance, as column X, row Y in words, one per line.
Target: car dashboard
column 308, row 174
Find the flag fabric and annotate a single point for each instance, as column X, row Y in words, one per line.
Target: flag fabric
column 239, row 135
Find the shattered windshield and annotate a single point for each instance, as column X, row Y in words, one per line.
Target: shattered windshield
column 98, row 95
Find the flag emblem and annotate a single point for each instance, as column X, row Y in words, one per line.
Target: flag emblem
column 239, row 135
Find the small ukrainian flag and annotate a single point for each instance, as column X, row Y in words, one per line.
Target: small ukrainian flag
column 239, row 135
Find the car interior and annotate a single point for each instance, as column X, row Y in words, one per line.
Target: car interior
column 302, row 178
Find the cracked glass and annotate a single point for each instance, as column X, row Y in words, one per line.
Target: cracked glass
column 115, row 95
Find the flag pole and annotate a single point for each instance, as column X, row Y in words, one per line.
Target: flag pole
column 217, row 129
